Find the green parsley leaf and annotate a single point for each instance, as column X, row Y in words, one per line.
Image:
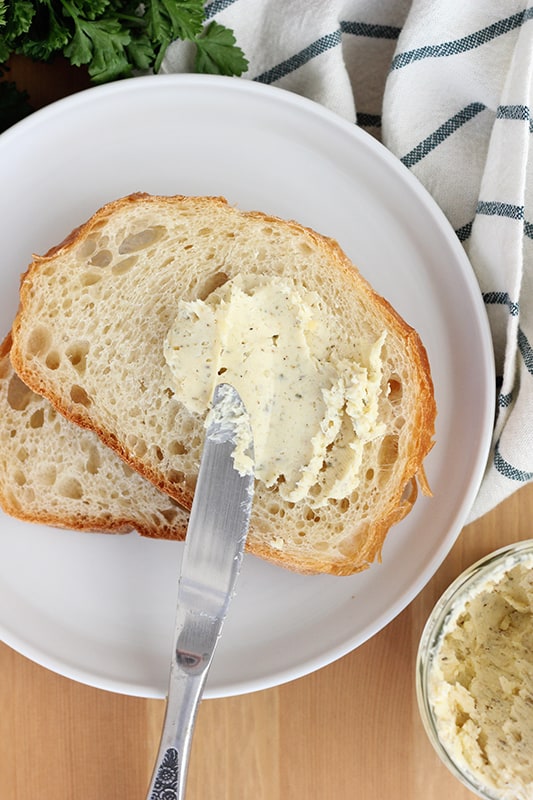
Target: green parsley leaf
column 172, row 19
column 91, row 9
column 47, row 35
column 141, row 52
column 5, row 47
column 217, row 52
column 102, row 45
column 18, row 17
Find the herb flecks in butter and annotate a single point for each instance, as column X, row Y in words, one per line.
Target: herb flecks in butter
column 311, row 411
column 481, row 684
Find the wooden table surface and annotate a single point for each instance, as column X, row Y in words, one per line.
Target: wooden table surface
column 350, row 730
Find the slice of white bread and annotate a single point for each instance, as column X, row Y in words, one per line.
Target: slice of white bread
column 95, row 311
column 55, row 473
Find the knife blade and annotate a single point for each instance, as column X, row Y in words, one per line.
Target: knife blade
column 212, row 556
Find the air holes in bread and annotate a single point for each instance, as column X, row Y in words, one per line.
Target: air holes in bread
column 176, row 448
column 39, row 341
column 22, row 454
column 395, row 390
column 79, row 396
column 388, row 452
column 169, row 514
column 93, row 461
column 175, row 476
column 89, row 278
column 102, row 258
column 77, row 355
column 71, row 488
column 53, row 360
column 142, row 239
column 86, row 248
column 18, row 394
column 213, row 282
column 47, row 476
column 141, row 448
column 37, row 419
column 137, row 446
column 19, row 477
column 124, row 266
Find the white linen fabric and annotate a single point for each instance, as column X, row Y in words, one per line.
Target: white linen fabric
column 448, row 88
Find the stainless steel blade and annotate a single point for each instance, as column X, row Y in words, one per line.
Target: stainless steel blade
column 212, row 557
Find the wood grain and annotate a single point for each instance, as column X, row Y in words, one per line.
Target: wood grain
column 350, row 730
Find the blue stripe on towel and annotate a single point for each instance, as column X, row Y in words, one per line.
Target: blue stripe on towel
column 316, row 48
column 495, row 208
column 216, row 6
column 370, row 31
column 465, row 231
column 513, row 112
column 443, row 132
column 526, row 350
column 469, row 42
column 505, row 400
column 369, row 120
column 507, row 469
column 502, row 299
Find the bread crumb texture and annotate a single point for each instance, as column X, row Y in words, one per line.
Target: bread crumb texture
column 95, row 313
column 56, row 473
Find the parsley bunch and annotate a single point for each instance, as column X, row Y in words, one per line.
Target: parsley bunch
column 112, row 38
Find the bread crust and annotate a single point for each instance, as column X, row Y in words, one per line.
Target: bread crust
column 368, row 539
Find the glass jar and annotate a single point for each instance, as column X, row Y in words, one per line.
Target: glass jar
column 469, row 633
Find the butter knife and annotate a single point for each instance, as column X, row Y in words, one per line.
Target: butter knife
column 213, row 552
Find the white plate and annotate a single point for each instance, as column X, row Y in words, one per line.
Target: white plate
column 99, row 608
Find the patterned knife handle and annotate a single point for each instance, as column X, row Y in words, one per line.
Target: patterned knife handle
column 166, row 780
column 187, row 681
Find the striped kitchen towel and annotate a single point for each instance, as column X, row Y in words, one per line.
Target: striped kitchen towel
column 448, row 88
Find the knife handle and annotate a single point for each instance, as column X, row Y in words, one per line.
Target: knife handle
column 170, row 771
column 166, row 780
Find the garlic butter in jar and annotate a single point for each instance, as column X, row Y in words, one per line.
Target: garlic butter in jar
column 475, row 675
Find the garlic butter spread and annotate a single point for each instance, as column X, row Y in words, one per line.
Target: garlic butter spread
column 311, row 412
column 481, row 685
column 228, row 420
